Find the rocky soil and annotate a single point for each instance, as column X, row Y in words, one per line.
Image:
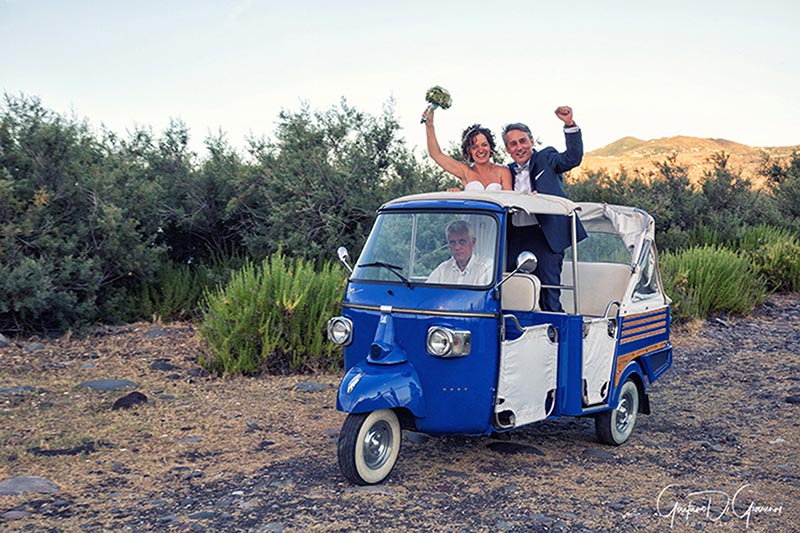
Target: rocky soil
column 122, row 431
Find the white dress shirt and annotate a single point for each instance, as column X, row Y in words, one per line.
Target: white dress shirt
column 522, row 183
column 477, row 272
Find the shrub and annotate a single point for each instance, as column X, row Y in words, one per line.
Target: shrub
column 77, row 229
column 173, row 295
column 774, row 253
column 710, row 279
column 271, row 317
column 178, row 288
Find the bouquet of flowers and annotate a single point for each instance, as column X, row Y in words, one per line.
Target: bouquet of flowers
column 436, row 97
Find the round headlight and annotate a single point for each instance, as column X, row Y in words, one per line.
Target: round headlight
column 340, row 330
column 440, row 341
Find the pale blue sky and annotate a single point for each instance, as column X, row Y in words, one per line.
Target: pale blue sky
column 647, row 69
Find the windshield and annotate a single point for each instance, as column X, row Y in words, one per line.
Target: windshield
column 430, row 248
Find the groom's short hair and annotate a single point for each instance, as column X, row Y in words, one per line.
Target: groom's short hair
column 516, row 126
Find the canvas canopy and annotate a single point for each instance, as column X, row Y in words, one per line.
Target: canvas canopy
column 530, row 203
column 633, row 225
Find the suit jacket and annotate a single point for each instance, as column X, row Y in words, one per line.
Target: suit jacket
column 549, row 164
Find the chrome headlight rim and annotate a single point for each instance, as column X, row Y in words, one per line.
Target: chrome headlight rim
column 439, row 341
column 340, row 330
column 445, row 342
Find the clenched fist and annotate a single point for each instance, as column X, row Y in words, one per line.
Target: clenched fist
column 564, row 113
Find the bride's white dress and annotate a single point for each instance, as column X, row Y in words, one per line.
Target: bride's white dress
column 478, row 186
column 484, row 228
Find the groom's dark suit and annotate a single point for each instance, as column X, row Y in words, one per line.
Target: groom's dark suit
column 553, row 235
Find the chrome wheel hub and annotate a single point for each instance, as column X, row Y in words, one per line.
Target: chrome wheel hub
column 623, row 418
column 377, row 445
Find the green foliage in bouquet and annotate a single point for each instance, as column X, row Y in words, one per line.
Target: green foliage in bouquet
column 272, row 318
column 436, row 97
column 439, row 97
column 709, row 279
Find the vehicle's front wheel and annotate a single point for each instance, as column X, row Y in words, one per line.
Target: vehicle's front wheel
column 615, row 426
column 368, row 446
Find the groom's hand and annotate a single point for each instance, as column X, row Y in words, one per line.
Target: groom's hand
column 564, row 113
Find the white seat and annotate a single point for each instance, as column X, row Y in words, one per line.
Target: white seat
column 521, row 293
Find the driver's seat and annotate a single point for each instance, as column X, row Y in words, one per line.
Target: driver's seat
column 521, row 293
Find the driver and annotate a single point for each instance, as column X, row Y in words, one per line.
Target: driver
column 463, row 268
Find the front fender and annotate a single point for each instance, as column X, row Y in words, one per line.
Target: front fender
column 367, row 387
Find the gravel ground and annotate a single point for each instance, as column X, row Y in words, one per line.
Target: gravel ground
column 720, row 450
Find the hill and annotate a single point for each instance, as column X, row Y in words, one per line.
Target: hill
column 638, row 157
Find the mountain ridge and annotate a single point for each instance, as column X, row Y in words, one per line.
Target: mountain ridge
column 639, row 157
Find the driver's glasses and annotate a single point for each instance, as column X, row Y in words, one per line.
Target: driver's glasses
column 460, row 242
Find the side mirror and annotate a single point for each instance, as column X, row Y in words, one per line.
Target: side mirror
column 526, row 262
column 344, row 257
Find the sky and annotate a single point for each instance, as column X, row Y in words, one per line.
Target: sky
column 645, row 69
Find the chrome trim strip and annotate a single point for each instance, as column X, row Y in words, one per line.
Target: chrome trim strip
column 575, row 280
column 432, row 312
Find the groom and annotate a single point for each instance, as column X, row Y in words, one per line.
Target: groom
column 547, row 236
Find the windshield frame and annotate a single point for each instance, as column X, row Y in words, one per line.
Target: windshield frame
column 494, row 214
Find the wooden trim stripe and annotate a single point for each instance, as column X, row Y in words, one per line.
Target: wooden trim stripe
column 631, row 331
column 623, row 360
column 432, row 312
column 647, row 320
column 653, row 333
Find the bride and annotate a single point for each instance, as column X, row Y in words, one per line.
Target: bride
column 477, row 147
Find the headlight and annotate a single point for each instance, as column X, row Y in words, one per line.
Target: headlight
column 340, row 330
column 444, row 342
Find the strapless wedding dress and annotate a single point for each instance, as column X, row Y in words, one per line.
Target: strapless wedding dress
column 478, row 186
column 484, row 231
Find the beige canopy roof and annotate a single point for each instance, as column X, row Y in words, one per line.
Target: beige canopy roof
column 633, row 225
column 530, row 203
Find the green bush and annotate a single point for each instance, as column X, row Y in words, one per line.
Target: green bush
column 173, row 295
column 271, row 318
column 710, row 279
column 78, row 229
column 774, row 253
column 178, row 288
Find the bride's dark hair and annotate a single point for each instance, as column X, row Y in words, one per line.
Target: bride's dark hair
column 469, row 134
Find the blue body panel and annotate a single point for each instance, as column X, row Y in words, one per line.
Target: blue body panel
column 456, row 395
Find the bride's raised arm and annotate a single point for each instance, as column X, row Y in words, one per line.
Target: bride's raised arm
column 454, row 167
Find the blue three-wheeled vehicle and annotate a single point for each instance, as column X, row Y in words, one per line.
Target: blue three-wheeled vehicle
column 434, row 346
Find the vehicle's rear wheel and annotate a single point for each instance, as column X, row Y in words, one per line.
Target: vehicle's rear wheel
column 368, row 446
column 615, row 426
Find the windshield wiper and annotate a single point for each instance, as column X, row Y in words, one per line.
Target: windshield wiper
column 391, row 268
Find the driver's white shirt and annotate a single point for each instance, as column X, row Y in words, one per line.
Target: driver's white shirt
column 478, row 272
